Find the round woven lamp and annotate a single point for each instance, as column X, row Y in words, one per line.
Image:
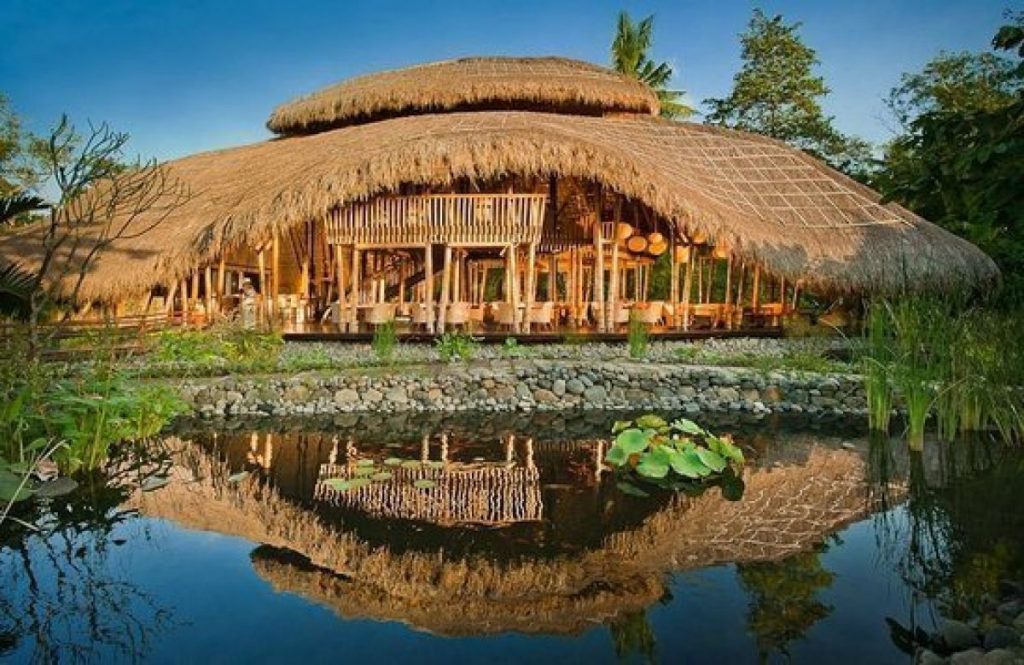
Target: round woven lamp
column 682, row 254
column 721, row 252
column 657, row 248
column 637, row 244
column 623, row 231
column 699, row 237
column 655, row 238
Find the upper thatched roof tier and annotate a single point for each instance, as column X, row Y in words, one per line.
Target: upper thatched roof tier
column 769, row 202
column 556, row 85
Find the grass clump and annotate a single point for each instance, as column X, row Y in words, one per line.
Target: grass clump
column 384, row 342
column 637, row 338
column 456, row 345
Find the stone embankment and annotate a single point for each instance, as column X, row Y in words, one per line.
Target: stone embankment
column 529, row 385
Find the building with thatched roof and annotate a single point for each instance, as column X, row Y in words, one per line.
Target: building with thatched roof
column 518, row 193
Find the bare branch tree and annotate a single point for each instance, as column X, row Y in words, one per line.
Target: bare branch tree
column 101, row 201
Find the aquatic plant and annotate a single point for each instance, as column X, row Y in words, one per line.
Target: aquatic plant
column 384, row 342
column 875, row 363
column 680, row 456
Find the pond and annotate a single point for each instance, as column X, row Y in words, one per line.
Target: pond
column 501, row 539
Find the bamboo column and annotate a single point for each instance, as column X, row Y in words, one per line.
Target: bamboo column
column 184, row 302
column 673, row 293
column 355, row 270
column 602, row 315
column 172, row 293
column 446, row 279
column 553, row 277
column 755, row 293
column 339, row 276
column 274, row 271
column 428, row 287
column 742, row 277
column 514, row 286
column 208, row 287
column 222, row 283
column 727, row 298
column 691, row 258
column 531, row 282
column 613, row 288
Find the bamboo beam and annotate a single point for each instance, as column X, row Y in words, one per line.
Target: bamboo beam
column 673, row 293
column 261, row 260
column 446, row 285
column 553, row 277
column 222, row 280
column 184, row 302
column 339, row 276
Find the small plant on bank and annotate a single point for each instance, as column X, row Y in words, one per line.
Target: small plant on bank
column 385, row 341
column 511, row 348
column 679, row 456
column 456, row 345
column 637, row 338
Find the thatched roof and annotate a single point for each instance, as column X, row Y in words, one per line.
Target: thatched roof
column 523, row 84
column 769, row 202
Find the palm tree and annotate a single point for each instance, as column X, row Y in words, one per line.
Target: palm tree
column 630, row 57
column 14, row 280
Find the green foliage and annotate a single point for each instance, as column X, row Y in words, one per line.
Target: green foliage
column 637, row 338
column 456, row 345
column 776, row 93
column 385, row 341
column 512, row 348
column 680, row 456
column 223, row 344
column 959, row 161
column 630, row 56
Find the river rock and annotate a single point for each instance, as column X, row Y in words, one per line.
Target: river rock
column 346, row 396
column 595, row 394
column 1001, row 637
column 542, row 396
column 957, row 635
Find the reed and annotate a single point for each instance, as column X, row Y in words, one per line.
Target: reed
column 876, row 361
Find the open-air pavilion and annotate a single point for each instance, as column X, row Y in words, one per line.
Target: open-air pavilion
column 513, row 195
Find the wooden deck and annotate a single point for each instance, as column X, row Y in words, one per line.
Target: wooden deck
column 330, row 333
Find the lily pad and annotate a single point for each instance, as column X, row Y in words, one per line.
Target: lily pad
column 365, row 462
column 631, row 489
column 410, row 464
column 10, row 487
column 686, row 463
column 382, row 476
column 424, row 484
column 651, row 467
column 616, row 456
column 238, row 477
column 632, row 441
column 711, row 459
column 393, row 461
column 651, row 421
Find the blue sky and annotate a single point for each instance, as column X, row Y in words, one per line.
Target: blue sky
column 183, row 76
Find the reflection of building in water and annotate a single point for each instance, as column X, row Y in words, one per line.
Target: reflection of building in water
column 440, row 491
column 787, row 508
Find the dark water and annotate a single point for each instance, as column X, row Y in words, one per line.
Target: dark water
column 520, row 551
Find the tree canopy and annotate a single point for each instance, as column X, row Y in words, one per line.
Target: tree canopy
column 959, row 161
column 631, row 56
column 777, row 93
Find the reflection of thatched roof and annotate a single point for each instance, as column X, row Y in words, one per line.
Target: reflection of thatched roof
column 769, row 202
column 785, row 509
column 534, row 84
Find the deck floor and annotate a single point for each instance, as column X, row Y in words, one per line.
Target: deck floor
column 317, row 332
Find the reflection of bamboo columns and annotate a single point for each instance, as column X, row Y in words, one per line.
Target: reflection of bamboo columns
column 333, row 457
column 529, row 454
column 444, row 447
column 268, row 451
column 599, row 458
column 354, row 269
column 425, row 448
column 510, row 447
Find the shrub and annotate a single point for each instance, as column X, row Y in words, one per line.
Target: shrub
column 452, row 345
column 385, row 341
column 637, row 338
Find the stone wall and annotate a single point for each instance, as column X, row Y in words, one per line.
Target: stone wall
column 528, row 385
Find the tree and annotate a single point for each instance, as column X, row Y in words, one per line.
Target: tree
column 776, row 93
column 960, row 160
column 19, row 154
column 630, row 56
column 100, row 201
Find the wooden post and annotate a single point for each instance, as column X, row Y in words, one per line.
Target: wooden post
column 741, row 278
column 184, row 302
column 446, row 286
column 222, row 282
column 782, row 293
column 261, row 260
column 553, row 277
column 339, row 276
column 514, row 285
column 727, row 299
column 428, row 271
column 691, row 258
column 531, row 282
column 796, row 295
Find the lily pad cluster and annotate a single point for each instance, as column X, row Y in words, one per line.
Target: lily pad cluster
column 367, row 471
column 679, row 455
